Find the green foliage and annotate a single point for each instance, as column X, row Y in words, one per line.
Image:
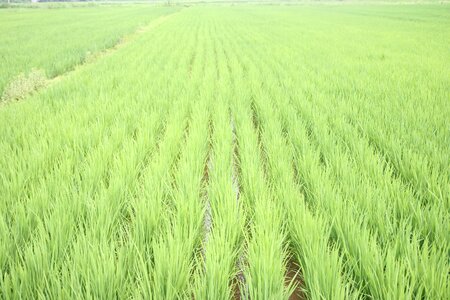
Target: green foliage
column 225, row 152
column 56, row 40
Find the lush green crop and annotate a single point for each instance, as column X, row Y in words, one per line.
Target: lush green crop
column 55, row 40
column 236, row 152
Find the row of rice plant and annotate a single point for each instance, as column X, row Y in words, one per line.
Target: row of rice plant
column 41, row 43
column 243, row 152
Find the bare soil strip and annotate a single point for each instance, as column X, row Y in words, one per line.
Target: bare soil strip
column 239, row 284
column 207, row 221
column 293, row 277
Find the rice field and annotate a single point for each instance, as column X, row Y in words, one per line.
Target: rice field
column 54, row 40
column 228, row 152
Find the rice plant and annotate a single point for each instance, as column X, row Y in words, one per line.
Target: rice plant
column 225, row 152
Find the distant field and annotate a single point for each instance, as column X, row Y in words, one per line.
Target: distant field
column 229, row 152
column 55, row 40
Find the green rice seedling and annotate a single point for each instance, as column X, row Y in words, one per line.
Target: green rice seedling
column 74, row 33
column 435, row 268
column 37, row 155
column 322, row 274
column 335, row 209
column 347, row 231
column 149, row 207
column 65, row 231
column 174, row 250
column 315, row 191
column 404, row 228
column 394, row 232
column 389, row 231
column 303, row 227
column 137, row 258
column 226, row 152
column 265, row 252
column 61, row 233
column 224, row 215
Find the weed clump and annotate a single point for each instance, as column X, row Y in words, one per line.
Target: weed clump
column 24, row 84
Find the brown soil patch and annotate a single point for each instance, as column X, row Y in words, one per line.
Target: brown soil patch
column 294, row 277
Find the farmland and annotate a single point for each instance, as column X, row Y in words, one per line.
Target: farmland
column 59, row 39
column 227, row 152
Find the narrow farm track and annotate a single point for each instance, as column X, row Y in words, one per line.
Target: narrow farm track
column 237, row 152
